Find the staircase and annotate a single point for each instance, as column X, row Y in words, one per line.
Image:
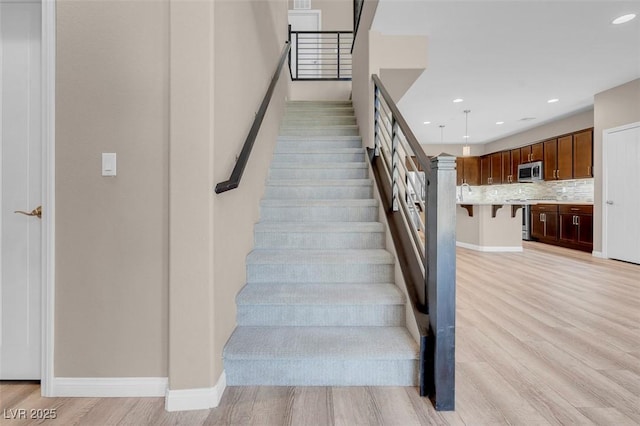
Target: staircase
column 320, row 307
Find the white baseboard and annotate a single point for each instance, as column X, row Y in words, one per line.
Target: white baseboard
column 109, row 386
column 495, row 249
column 195, row 399
column 597, row 254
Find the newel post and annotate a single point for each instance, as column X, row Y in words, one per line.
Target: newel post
column 441, row 280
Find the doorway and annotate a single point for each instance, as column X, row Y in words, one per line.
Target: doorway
column 21, row 182
column 28, row 189
column 621, row 149
column 305, row 61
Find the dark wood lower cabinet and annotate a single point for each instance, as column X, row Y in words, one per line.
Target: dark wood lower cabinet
column 544, row 222
column 576, row 226
column 565, row 225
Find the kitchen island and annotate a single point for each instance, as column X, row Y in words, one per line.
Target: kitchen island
column 493, row 227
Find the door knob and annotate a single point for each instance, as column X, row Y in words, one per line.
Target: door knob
column 35, row 212
column 609, row 202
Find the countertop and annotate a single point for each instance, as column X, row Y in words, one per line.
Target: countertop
column 509, row 202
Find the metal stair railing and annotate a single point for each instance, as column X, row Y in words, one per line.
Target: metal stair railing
column 320, row 55
column 418, row 194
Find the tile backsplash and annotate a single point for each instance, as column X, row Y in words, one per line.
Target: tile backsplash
column 580, row 190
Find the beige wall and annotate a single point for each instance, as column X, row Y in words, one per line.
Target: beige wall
column 612, row 108
column 172, row 87
column 361, row 83
column 579, row 121
column 453, row 149
column 111, row 233
column 191, row 143
column 337, row 15
column 259, row 30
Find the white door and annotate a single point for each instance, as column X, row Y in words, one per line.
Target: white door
column 622, row 204
column 305, row 61
column 21, row 180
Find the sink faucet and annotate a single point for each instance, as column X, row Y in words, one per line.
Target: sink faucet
column 462, row 186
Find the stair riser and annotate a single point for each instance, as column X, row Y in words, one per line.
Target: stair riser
column 318, row 193
column 324, row 131
column 319, row 240
column 318, row 157
column 321, row 372
column 314, row 272
column 319, row 214
column 306, row 173
column 310, row 112
column 291, row 121
column 324, row 144
column 321, row 315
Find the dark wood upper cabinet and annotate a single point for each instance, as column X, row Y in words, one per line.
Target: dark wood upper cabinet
column 550, row 161
column 485, row 170
column 496, row 168
column 506, row 166
column 515, row 162
column 564, row 159
column 583, row 154
column 468, row 170
column 531, row 153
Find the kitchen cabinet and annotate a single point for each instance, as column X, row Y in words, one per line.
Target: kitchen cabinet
column 583, row 154
column 491, row 169
column 576, row 226
column 544, row 222
column 558, row 158
column 468, row 170
column 510, row 163
column 532, row 153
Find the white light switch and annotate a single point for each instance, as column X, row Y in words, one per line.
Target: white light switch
column 108, row 164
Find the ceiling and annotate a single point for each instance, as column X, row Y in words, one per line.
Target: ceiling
column 506, row 59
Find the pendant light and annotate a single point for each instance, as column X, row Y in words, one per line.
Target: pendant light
column 466, row 149
column 441, row 134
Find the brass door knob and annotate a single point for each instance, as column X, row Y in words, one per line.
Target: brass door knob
column 35, row 212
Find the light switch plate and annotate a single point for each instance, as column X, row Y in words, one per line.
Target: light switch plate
column 108, row 164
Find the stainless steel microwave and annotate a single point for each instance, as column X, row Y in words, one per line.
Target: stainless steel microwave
column 531, row 172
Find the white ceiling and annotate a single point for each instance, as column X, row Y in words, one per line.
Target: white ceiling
column 507, row 58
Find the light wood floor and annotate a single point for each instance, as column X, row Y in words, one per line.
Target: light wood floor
column 548, row 336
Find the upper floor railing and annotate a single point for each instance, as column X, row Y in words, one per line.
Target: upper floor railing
column 419, row 196
column 320, row 55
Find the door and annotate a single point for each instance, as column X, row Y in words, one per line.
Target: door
column 305, row 61
column 621, row 182
column 20, row 180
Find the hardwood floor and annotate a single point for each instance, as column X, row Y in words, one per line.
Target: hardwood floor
column 547, row 336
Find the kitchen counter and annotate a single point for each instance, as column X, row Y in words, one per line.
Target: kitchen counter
column 489, row 226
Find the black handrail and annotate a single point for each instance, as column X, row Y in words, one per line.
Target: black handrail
column 358, row 6
column 243, row 158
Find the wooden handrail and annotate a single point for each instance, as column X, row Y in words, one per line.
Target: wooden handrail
column 243, row 158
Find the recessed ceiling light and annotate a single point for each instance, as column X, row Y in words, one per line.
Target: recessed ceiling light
column 466, row 136
column 527, row 118
column 624, row 18
column 553, row 101
column 427, row 122
column 458, row 100
column 499, row 122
